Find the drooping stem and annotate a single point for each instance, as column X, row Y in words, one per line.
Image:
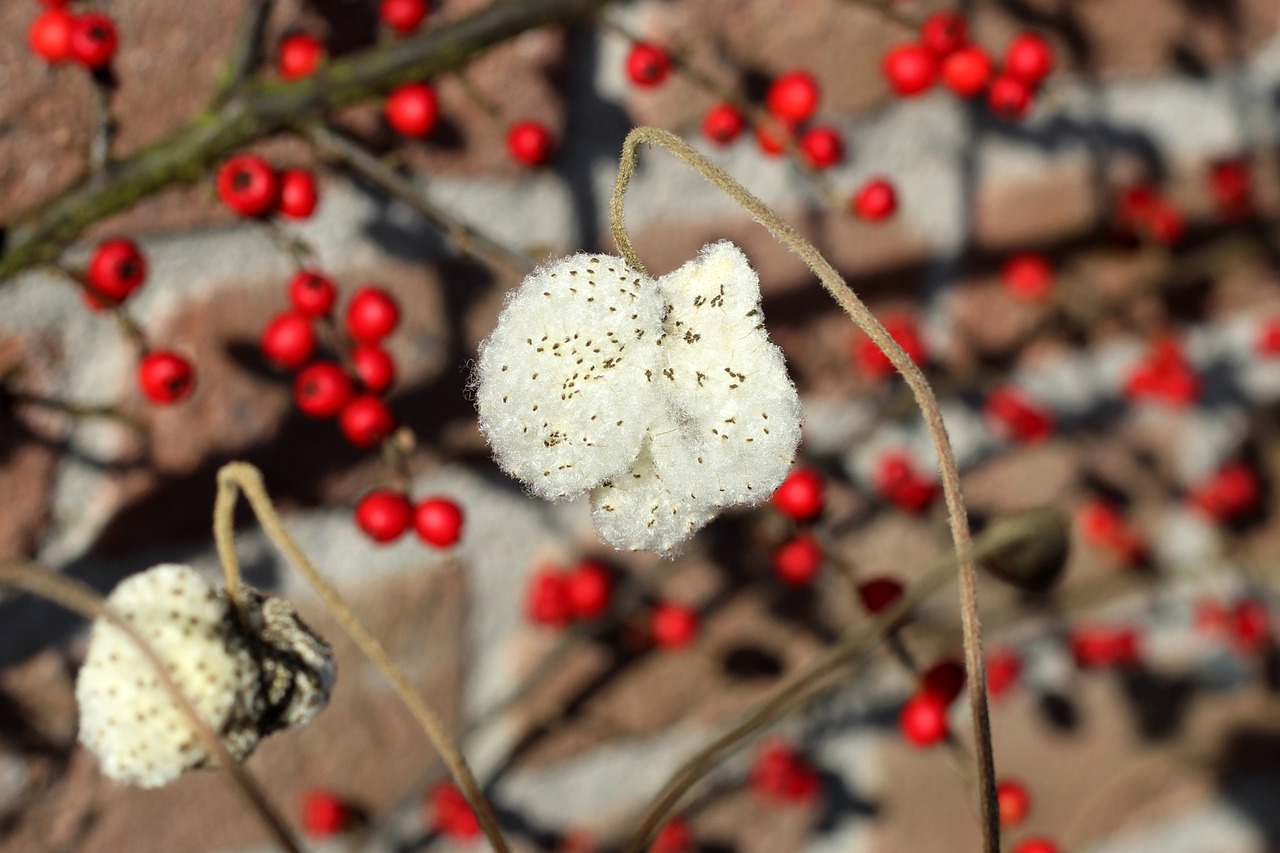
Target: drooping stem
column 82, row 599
column 916, row 381
column 236, row 478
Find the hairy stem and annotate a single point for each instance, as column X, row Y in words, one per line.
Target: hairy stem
column 916, row 381
column 235, row 478
column 85, row 601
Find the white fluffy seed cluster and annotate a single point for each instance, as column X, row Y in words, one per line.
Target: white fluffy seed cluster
column 665, row 399
column 248, row 670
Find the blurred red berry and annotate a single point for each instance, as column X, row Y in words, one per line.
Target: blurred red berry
column 902, row 328
column 321, row 390
column 800, row 495
column 1103, row 526
column 298, row 194
column 1250, row 625
column 1229, row 184
column 798, row 562
column 944, row 32
column 723, row 124
column 674, row 626
column 165, row 377
column 879, row 594
column 412, row 109
column 923, row 720
column 288, row 340
column 1008, row 98
column 1028, row 276
column 1269, row 338
column 1165, row 376
column 967, row 71
column 324, row 814
column 1232, row 491
column 875, row 200
column 1037, row 845
column 1028, row 58
column 793, row 97
column 116, row 269
column 769, row 140
column 449, row 813
column 781, row 774
column 945, row 679
column 547, row 600
column 1004, row 668
column 438, row 521
column 300, row 55
column 366, row 421
column 403, row 16
column 590, row 589
column 910, row 69
column 384, row 515
column 822, row 147
column 1101, row 646
column 530, row 143
column 675, row 836
column 1014, row 417
column 898, row 482
column 248, row 185
column 312, row 293
column 372, row 314
column 93, row 40
column 648, row 64
column 50, row 35
column 1165, row 224
column 1014, row 802
column 374, row 367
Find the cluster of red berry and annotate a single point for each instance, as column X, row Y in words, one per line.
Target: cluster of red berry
column 797, row 562
column 58, row 35
column 556, row 598
column 781, row 774
column 1103, row 526
column 923, row 719
column 967, row 69
column 250, row 186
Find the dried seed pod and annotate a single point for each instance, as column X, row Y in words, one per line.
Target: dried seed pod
column 248, row 671
column 1028, row 550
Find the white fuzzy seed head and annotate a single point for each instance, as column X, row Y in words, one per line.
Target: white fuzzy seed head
column 244, row 684
column 564, row 383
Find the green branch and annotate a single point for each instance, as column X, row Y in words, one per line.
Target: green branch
column 39, row 235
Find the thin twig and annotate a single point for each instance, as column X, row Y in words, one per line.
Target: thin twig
column 82, row 599
column 247, row 54
column 466, row 239
column 77, row 411
column 915, row 379
column 237, row 478
column 104, row 129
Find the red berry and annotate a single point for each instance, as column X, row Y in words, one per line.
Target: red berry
column 289, row 340
column 1134, row 204
column 312, row 293
column 798, row 562
column 449, row 813
column 300, row 55
column 910, row 69
column 945, row 679
column 1165, row 224
column 324, row 814
column 1004, row 667
column 872, row 360
column 923, row 720
column 1028, row 276
column 365, row 420
column 530, row 143
column 93, row 40
column 647, row 64
column 384, row 515
column 1008, row 98
column 590, row 589
column 1037, row 845
column 1103, row 526
column 967, row 71
column 1268, row 343
column 793, row 97
column 165, row 377
column 1014, row 417
column 723, row 124
column 875, row 200
column 403, row 16
column 944, row 32
column 1101, row 646
column 1229, row 183
column 800, row 495
column 412, row 109
column 781, row 774
column 674, row 625
column 321, row 390
column 675, row 836
column 248, row 185
column 116, row 269
column 438, row 521
column 372, row 314
column 1028, row 59
column 822, row 147
column 1229, row 493
column 1250, row 625
column 374, row 366
column 879, row 594
column 297, row 193
column 899, row 482
column 50, row 35
column 547, row 601
column 1165, row 376
column 770, row 141
column 1014, row 802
